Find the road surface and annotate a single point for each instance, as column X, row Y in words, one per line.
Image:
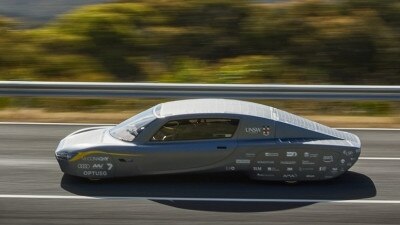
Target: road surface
column 33, row 190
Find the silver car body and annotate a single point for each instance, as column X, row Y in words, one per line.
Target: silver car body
column 206, row 135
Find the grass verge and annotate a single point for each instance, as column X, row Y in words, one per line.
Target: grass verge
column 41, row 115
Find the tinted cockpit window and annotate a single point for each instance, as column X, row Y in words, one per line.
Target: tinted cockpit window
column 194, row 129
column 130, row 128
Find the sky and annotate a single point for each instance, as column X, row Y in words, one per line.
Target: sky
column 36, row 12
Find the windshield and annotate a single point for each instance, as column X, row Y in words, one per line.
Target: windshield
column 130, row 128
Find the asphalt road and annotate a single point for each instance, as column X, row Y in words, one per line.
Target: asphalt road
column 34, row 191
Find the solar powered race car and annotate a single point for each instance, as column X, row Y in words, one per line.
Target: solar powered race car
column 206, row 135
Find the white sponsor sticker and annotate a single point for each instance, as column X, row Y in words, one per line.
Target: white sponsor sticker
column 272, row 169
column 230, row 168
column 253, row 130
column 265, row 174
column 271, row 154
column 257, row 168
column 289, row 175
column 110, row 166
column 327, row 158
column 96, row 158
column 306, row 162
column 242, row 161
column 310, row 155
column 95, row 173
column 265, row 162
column 97, row 166
column 83, row 166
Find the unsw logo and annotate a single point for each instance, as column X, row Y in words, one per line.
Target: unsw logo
column 265, row 130
column 253, row 130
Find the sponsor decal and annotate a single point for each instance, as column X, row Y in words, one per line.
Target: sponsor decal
column 96, row 158
column 348, row 153
column 310, row 155
column 307, row 162
column 266, row 130
column 265, row 162
column 288, row 162
column 83, row 166
column 272, row 169
column 257, row 168
column 97, row 166
column 310, row 176
column 322, row 168
column 327, row 158
column 265, row 174
column 95, row 173
column 109, row 166
column 306, row 169
column 253, row 130
column 291, row 154
column 87, row 156
column 242, row 161
column 230, row 168
column 290, row 175
column 271, row 154
column 250, row 154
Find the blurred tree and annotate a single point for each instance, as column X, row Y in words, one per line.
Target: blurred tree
column 17, row 55
column 211, row 29
column 111, row 34
column 348, row 42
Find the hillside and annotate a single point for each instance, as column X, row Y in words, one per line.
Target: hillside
column 208, row 41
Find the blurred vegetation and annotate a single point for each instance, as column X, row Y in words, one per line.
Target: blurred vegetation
column 209, row 41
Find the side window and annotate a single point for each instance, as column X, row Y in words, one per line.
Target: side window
column 195, row 129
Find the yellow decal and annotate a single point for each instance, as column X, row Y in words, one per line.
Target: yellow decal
column 81, row 155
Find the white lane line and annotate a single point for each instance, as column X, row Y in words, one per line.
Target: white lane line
column 77, row 197
column 111, row 124
column 26, row 162
column 369, row 129
column 379, row 158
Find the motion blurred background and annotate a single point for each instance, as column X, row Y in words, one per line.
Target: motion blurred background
column 200, row 41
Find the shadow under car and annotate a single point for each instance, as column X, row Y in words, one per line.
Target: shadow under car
column 208, row 192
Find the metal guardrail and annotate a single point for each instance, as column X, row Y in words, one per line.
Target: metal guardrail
column 174, row 90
